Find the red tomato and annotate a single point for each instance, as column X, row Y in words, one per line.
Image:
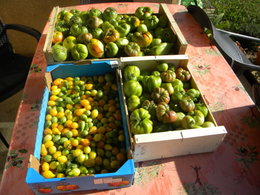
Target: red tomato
column 57, row 37
column 45, row 190
column 72, row 187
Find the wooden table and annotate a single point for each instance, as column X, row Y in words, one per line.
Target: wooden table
column 232, row 169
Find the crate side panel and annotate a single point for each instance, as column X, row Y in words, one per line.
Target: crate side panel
column 157, row 150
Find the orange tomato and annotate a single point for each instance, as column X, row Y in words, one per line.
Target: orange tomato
column 57, row 37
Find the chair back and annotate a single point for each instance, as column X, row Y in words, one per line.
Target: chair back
column 5, row 45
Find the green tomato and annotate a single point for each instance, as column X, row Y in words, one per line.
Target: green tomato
column 67, row 16
column 75, row 12
column 198, row 117
column 111, row 50
column 47, row 158
column 142, row 28
column 59, row 53
column 168, row 87
column 188, row 122
column 156, row 73
column 156, row 41
column 84, row 38
column 62, row 26
column 77, row 30
column 151, row 22
column 177, row 123
column 161, row 49
column 203, row 108
column 109, row 14
column 123, row 29
column 75, row 20
column 121, row 42
column 97, row 33
column 74, row 172
column 134, row 22
column 106, row 25
column 208, row 124
column 194, row 94
column 94, row 22
column 69, row 42
column 143, row 12
column 187, row 104
column 151, row 82
column 133, row 102
column 95, row 12
column 79, row 52
column 162, row 67
column 132, row 87
column 132, row 49
column 140, row 122
column 131, row 72
column 177, row 82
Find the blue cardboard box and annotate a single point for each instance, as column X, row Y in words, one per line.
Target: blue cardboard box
column 123, row 177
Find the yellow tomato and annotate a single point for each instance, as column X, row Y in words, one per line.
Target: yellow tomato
column 75, row 142
column 84, row 102
column 94, row 113
column 45, row 166
column 53, row 112
column 55, row 91
column 51, row 103
column 56, row 131
column 48, row 174
column 60, row 114
column 57, row 81
column 57, row 154
column 89, row 86
column 79, row 111
column 47, row 131
column 54, row 97
column 74, row 125
column 48, row 143
column 75, row 132
column 62, row 159
column 69, row 106
column 44, row 151
column 48, row 117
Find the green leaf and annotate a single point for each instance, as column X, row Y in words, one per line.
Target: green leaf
column 8, row 165
column 218, row 18
column 19, row 158
column 23, row 151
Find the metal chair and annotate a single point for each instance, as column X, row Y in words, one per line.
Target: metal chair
column 225, row 43
column 14, row 67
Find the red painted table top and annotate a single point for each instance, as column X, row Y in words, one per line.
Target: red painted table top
column 232, row 169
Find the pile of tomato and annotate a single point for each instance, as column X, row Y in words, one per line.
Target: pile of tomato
column 83, row 133
column 80, row 35
column 163, row 99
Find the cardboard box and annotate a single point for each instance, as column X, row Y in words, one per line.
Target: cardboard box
column 170, row 143
column 123, row 177
column 180, row 48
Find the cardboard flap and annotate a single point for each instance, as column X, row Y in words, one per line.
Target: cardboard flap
column 34, row 163
column 48, row 80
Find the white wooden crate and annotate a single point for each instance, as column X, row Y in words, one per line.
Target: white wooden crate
column 180, row 48
column 170, row 143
